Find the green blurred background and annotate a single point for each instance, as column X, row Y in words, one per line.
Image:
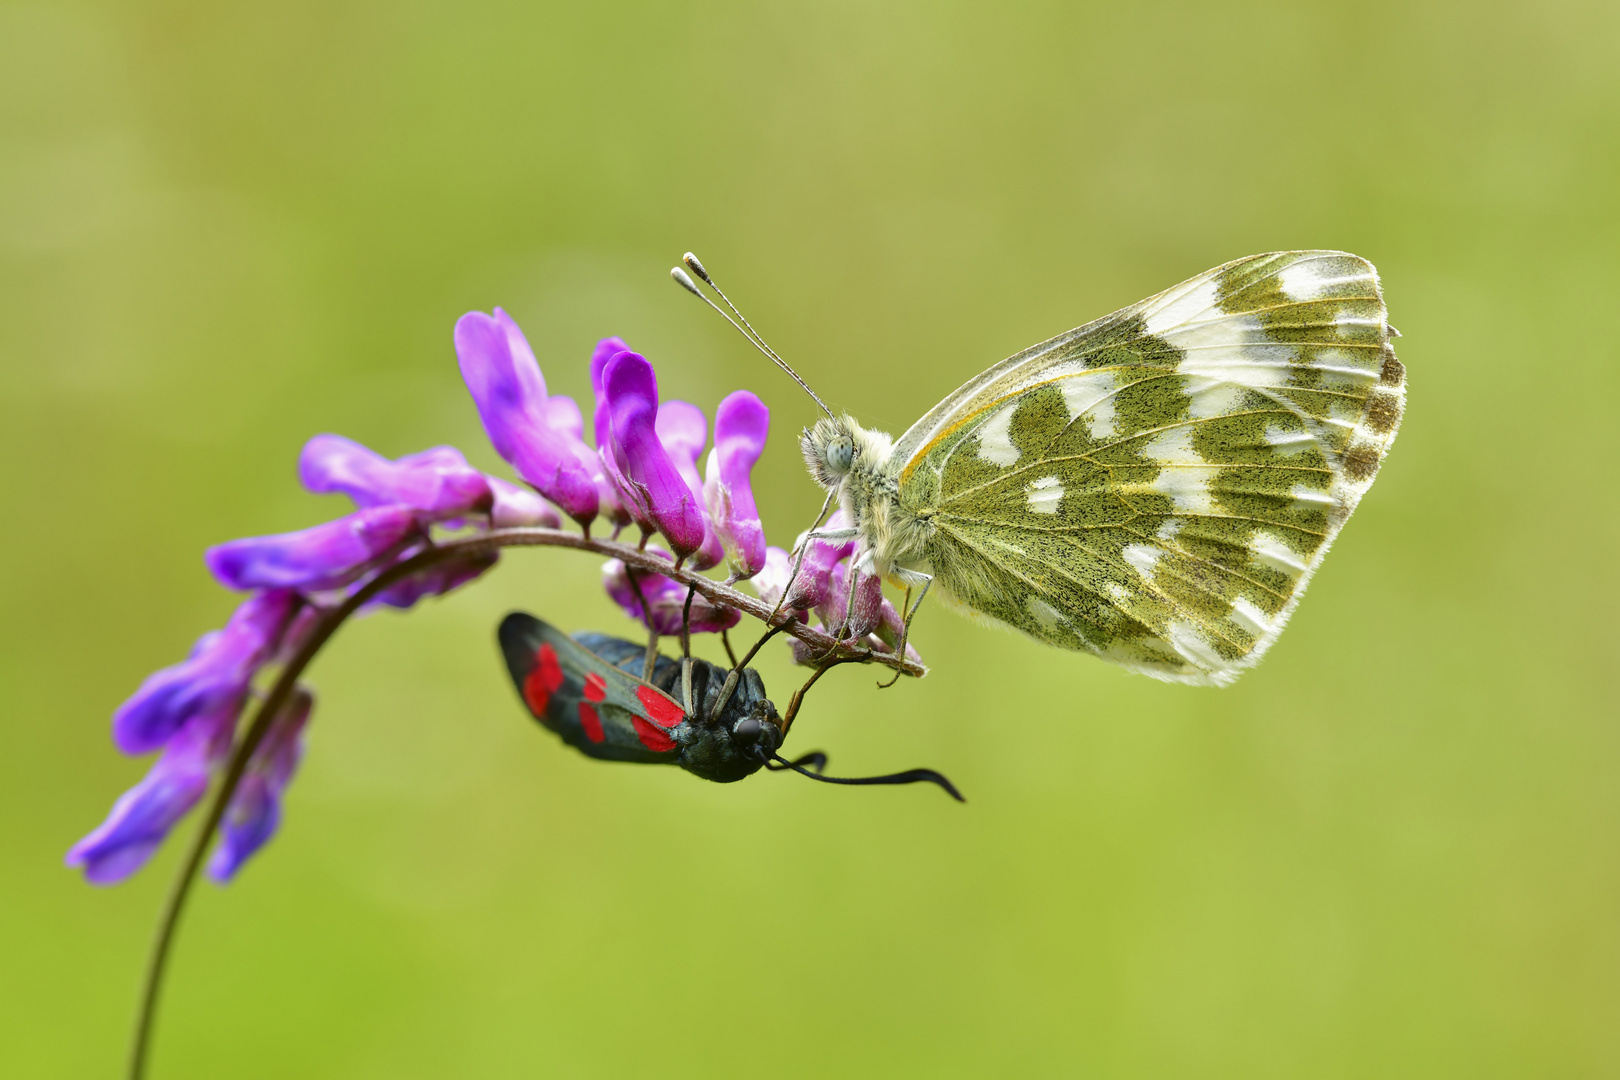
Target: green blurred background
column 1391, row 850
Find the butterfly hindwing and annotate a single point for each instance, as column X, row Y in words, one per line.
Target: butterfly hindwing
column 1158, row 486
column 601, row 709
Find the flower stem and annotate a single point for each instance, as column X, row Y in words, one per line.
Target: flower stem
column 281, row 690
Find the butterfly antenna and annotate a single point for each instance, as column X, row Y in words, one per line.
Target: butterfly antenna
column 684, row 280
column 818, row 761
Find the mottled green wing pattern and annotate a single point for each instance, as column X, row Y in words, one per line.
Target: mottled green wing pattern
column 1157, row 487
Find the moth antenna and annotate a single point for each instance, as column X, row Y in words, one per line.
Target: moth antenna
column 684, row 280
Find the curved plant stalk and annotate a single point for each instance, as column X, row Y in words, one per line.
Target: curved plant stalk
column 281, row 690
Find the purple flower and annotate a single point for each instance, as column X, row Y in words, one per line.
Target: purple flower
column 505, row 382
column 666, row 597
column 214, row 676
column 438, row 483
column 653, row 489
column 518, row 506
column 436, row 580
column 142, row 817
column 254, row 811
column 683, row 430
column 740, row 427
column 323, row 557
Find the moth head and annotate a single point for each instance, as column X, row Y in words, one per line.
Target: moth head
column 761, row 728
column 829, row 451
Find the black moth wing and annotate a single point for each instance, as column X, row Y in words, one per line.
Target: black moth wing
column 600, row 709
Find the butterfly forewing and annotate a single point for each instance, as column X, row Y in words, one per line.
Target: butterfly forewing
column 601, row 709
column 1157, row 487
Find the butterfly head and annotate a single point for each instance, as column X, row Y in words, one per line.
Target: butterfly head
column 830, row 450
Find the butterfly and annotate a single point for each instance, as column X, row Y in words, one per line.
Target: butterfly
column 1156, row 487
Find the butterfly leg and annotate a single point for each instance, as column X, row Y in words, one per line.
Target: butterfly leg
column 910, row 577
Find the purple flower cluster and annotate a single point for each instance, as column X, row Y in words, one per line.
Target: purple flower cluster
column 190, row 711
column 643, row 471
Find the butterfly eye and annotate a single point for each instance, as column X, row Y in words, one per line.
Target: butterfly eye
column 746, row 731
column 840, row 454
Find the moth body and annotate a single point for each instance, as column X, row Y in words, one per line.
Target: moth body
column 588, row 690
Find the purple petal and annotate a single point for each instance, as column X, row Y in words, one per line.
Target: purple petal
column 215, row 674
column 562, row 415
column 143, row 816
column 741, row 425
column 437, row 482
column 516, row 506
column 683, row 430
column 605, row 350
column 436, row 580
column 255, row 808
column 322, row 557
column 865, row 605
column 666, row 598
column 510, row 393
column 652, row 483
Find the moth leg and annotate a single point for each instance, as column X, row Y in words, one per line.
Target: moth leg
column 646, row 615
column 909, row 613
column 725, row 639
column 737, row 666
column 686, row 649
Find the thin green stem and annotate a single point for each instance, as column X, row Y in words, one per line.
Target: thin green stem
column 282, row 688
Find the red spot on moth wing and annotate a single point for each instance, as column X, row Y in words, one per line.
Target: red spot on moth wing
column 592, row 723
column 535, row 694
column 595, row 687
column 652, row 738
column 664, row 712
column 551, row 673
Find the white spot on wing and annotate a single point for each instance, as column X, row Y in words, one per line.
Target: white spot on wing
column 1142, row 558
column 1091, row 392
column 1345, row 320
column 1222, row 356
column 1045, row 494
column 995, row 437
column 1310, row 280
column 1207, row 397
column 1311, row 496
column 1174, row 310
column 1044, row 613
column 1170, row 528
column 1271, row 551
column 1193, row 646
column 1118, row 591
column 1188, row 488
column 1247, row 615
column 1289, row 442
